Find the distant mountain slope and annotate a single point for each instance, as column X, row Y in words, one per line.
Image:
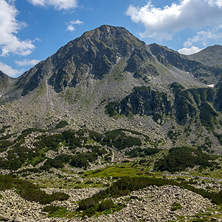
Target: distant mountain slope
column 4, row 79
column 201, row 71
column 5, row 83
column 211, row 56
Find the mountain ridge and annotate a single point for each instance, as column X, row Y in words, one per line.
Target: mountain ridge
column 99, row 72
column 210, row 56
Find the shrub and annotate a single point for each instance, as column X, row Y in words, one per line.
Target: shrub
column 110, row 109
column 139, row 152
column 60, row 196
column 105, row 205
column 125, row 185
column 29, row 191
column 56, row 211
column 61, row 124
column 181, row 158
column 80, row 160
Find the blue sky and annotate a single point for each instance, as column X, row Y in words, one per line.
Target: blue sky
column 32, row 30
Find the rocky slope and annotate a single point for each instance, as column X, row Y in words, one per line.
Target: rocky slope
column 142, row 205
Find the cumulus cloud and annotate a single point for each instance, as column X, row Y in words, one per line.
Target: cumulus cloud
column 57, row 4
column 26, row 62
column 9, row 27
column 202, row 38
column 189, row 51
column 71, row 25
column 163, row 23
column 9, row 70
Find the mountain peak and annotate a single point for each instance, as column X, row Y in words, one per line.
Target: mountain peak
column 210, row 56
column 112, row 36
column 106, row 30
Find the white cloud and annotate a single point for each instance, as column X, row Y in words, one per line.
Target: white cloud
column 215, row 3
column 57, row 4
column 9, row 70
column 202, row 37
column 189, row 51
column 163, row 23
column 71, row 25
column 26, row 62
column 9, row 27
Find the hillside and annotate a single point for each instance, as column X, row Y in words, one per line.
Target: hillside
column 111, row 129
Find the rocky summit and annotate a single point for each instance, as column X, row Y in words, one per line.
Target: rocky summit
column 112, row 129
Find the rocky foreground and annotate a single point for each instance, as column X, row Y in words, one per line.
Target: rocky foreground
column 149, row 204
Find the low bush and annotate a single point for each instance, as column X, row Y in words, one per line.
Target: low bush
column 57, row 211
column 181, row 158
column 62, row 124
column 125, row 185
column 29, row 191
column 139, row 152
column 105, row 205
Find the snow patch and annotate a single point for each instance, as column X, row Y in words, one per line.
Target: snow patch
column 211, row 86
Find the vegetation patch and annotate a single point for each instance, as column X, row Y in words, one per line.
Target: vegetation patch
column 58, row 211
column 62, row 124
column 125, row 185
column 181, row 158
column 3, row 129
column 106, row 206
column 29, row 191
column 114, row 171
column 139, row 152
column 207, row 116
column 119, row 140
column 176, row 206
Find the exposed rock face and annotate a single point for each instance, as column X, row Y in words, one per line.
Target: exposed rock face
column 142, row 101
